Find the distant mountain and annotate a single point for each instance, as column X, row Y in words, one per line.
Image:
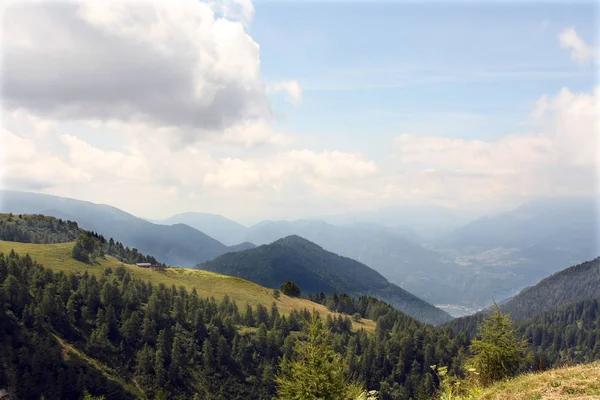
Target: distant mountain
column 177, row 244
column 423, row 221
column 400, row 260
column 559, row 231
column 317, row 270
column 569, row 286
column 223, row 229
column 506, row 252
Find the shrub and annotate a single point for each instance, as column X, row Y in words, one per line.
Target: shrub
column 290, row 288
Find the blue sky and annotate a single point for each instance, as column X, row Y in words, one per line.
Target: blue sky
column 383, row 68
column 288, row 109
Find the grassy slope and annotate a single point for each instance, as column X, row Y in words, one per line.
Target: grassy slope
column 58, row 257
column 578, row 382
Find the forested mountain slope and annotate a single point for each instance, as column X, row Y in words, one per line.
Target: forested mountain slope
column 317, row 270
column 401, row 261
column 572, row 285
column 112, row 334
column 575, row 283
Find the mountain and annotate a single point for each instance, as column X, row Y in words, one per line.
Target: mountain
column 570, row 286
column 177, row 244
column 557, row 231
column 405, row 263
column 422, row 221
column 503, row 253
column 576, row 283
column 317, row 270
column 223, row 229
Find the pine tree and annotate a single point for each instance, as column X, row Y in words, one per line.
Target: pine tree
column 317, row 371
column 497, row 353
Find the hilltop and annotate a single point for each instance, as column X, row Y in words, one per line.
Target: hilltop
column 316, row 270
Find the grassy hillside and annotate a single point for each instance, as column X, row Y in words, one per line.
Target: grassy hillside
column 58, row 257
column 581, row 382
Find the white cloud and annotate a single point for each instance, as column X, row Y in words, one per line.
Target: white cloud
column 291, row 88
column 26, row 166
column 580, row 50
column 179, row 65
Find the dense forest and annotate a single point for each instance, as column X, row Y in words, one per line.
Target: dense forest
column 106, row 333
column 33, row 228
column 575, row 283
column 160, row 340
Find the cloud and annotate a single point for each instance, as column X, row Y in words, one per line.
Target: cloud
column 179, row 65
column 580, row 50
column 291, row 88
column 28, row 167
column 558, row 158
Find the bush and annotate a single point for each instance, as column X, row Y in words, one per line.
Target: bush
column 276, row 294
column 289, row 288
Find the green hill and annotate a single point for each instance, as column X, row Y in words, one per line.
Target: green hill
column 317, row 270
column 580, row 382
column 57, row 256
column 125, row 332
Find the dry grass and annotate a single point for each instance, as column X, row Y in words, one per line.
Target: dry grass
column 207, row 284
column 580, row 382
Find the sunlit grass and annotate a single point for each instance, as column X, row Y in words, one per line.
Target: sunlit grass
column 581, row 382
column 207, row 284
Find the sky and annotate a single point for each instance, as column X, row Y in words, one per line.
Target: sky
column 284, row 110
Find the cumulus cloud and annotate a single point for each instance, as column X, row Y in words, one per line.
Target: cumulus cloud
column 291, row 88
column 558, row 158
column 184, row 64
column 580, row 50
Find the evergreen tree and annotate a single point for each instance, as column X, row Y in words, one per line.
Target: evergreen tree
column 316, row 372
column 497, row 353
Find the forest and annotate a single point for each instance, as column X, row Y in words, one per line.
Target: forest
column 109, row 334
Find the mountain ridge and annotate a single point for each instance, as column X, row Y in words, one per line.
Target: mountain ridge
column 316, row 270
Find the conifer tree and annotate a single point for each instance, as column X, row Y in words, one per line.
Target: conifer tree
column 316, row 372
column 497, row 353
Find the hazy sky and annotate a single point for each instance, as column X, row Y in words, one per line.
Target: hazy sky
column 291, row 109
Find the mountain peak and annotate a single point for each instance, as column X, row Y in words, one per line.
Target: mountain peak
column 295, row 240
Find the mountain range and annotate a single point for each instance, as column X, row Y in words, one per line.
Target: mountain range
column 491, row 258
column 317, row 270
column 177, row 244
